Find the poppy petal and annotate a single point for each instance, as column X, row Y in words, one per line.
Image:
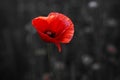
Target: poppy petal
column 46, row 38
column 67, row 35
column 65, row 28
column 58, row 46
column 58, row 22
column 40, row 23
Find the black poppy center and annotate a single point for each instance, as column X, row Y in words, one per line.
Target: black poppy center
column 51, row 34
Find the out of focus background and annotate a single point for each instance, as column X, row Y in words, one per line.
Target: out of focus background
column 93, row 53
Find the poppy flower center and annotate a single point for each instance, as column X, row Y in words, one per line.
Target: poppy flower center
column 51, row 34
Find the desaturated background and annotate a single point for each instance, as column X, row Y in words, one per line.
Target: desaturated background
column 93, row 53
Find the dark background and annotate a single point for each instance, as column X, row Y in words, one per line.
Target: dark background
column 93, row 53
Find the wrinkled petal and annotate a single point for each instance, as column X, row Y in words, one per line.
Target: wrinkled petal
column 67, row 35
column 40, row 23
column 58, row 22
column 46, row 38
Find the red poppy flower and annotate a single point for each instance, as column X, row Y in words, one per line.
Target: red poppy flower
column 55, row 28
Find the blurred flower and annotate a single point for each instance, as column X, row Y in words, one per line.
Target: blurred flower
column 46, row 76
column 40, row 52
column 88, row 29
column 29, row 28
column 59, row 65
column 111, row 49
column 93, row 4
column 56, row 28
column 96, row 66
column 87, row 59
column 111, row 22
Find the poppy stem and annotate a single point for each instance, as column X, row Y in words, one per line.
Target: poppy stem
column 58, row 46
column 49, row 52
